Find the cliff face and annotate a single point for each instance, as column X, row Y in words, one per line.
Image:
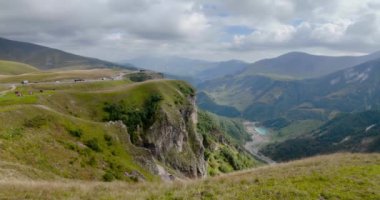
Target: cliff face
column 161, row 117
column 173, row 140
column 104, row 130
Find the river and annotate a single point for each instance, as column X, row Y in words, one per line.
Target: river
column 259, row 137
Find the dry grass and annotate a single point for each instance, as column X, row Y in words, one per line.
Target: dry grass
column 14, row 68
column 338, row 176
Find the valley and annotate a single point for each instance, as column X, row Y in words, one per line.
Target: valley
column 74, row 127
column 189, row 100
column 259, row 138
column 298, row 110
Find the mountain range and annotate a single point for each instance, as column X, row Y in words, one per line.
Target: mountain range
column 262, row 97
column 307, row 117
column 65, row 130
column 301, row 65
column 293, row 65
column 46, row 58
column 193, row 70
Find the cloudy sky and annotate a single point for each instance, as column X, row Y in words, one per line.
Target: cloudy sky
column 205, row 29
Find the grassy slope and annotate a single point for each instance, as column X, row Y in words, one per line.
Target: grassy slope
column 231, row 127
column 87, row 100
column 47, row 144
column 80, row 103
column 15, row 68
column 295, row 129
column 220, row 139
column 338, row 176
column 40, row 138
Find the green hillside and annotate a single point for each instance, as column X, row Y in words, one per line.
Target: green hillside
column 41, row 131
column 355, row 132
column 63, row 146
column 100, row 129
column 15, row 68
column 223, row 139
column 205, row 102
column 338, row 176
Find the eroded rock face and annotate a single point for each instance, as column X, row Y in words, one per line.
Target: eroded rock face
column 176, row 143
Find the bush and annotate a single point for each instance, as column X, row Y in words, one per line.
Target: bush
column 12, row 133
column 212, row 172
column 92, row 161
column 186, row 89
column 223, row 168
column 108, row 138
column 36, row 122
column 139, row 77
column 108, row 176
column 76, row 133
column 115, row 111
column 232, row 159
column 134, row 118
column 93, row 144
column 150, row 109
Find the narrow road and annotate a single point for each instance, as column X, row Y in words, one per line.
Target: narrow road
column 257, row 141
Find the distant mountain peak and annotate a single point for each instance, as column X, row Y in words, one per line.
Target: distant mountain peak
column 302, row 65
column 295, row 53
column 375, row 54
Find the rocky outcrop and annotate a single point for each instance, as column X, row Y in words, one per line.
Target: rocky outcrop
column 173, row 140
column 163, row 124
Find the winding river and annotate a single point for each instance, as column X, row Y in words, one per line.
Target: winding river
column 259, row 137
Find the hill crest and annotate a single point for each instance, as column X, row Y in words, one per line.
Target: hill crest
column 45, row 58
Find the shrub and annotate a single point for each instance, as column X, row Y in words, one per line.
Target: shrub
column 186, row 89
column 132, row 117
column 108, row 176
column 92, row 161
column 139, row 77
column 150, row 109
column 108, row 138
column 12, row 134
column 212, row 172
column 76, row 132
column 223, row 168
column 36, row 122
column 232, row 159
column 116, row 111
column 93, row 144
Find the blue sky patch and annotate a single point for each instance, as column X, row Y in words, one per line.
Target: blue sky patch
column 296, row 22
column 239, row 30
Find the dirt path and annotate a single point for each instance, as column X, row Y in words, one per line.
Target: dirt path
column 13, row 87
column 66, row 115
column 257, row 141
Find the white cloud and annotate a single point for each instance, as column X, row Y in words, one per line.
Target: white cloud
column 120, row 29
column 329, row 32
column 193, row 24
